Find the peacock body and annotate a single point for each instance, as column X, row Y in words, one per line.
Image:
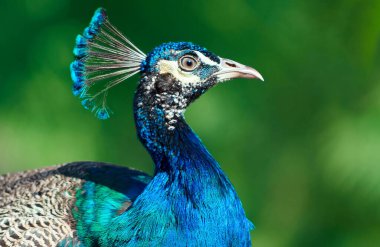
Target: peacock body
column 188, row 202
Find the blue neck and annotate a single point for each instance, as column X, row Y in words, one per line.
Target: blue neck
column 180, row 154
column 189, row 200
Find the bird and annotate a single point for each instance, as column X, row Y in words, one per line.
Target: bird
column 188, row 201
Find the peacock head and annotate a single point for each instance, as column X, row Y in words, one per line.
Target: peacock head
column 182, row 71
column 173, row 74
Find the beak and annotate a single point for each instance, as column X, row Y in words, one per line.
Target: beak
column 231, row 69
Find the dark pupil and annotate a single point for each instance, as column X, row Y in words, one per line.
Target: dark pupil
column 189, row 63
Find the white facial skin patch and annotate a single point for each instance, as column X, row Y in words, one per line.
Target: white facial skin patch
column 186, row 77
column 205, row 59
column 166, row 66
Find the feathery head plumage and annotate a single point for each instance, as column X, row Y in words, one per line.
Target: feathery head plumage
column 104, row 57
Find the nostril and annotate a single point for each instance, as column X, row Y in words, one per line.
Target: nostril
column 231, row 64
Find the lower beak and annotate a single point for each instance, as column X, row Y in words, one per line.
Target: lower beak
column 231, row 69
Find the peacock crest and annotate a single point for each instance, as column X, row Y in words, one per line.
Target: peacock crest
column 104, row 57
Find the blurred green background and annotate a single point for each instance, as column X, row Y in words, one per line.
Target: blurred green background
column 302, row 149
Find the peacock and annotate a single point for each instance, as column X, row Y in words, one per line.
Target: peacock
column 188, row 201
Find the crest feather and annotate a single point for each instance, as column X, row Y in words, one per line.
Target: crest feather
column 104, row 57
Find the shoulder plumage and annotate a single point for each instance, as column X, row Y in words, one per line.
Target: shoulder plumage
column 36, row 207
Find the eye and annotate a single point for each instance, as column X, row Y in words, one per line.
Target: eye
column 188, row 63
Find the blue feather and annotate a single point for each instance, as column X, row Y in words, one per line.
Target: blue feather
column 104, row 58
column 102, row 113
column 81, row 41
column 168, row 211
column 189, row 202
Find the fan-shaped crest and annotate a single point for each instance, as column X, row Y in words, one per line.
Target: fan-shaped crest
column 104, row 57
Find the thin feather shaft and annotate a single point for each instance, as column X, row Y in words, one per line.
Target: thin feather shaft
column 124, row 38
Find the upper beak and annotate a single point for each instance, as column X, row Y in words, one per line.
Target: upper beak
column 231, row 69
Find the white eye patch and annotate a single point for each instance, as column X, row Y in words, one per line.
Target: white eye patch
column 205, row 59
column 166, row 66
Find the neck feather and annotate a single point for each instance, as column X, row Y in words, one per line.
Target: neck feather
column 175, row 149
column 189, row 198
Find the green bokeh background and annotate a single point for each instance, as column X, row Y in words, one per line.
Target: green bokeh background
column 302, row 149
